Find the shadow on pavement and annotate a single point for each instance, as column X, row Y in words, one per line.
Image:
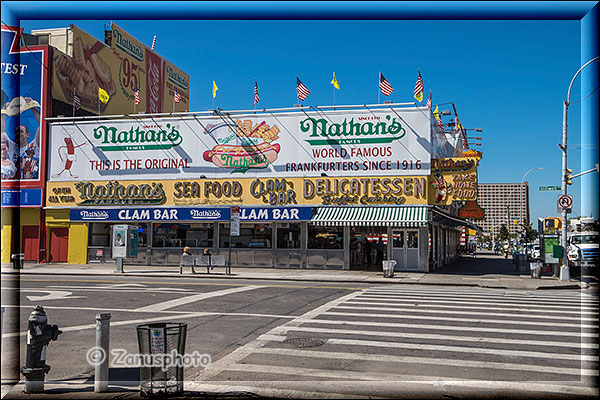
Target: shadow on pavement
column 484, row 263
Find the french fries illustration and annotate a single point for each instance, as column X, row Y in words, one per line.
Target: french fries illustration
column 84, row 75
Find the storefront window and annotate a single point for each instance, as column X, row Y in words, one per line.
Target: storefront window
column 325, row 237
column 412, row 239
column 252, row 236
column 398, row 239
column 288, row 236
column 181, row 235
column 99, row 234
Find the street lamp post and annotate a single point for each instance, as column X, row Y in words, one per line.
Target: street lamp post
column 521, row 193
column 521, row 220
column 564, row 270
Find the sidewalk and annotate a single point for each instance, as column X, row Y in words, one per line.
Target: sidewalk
column 486, row 270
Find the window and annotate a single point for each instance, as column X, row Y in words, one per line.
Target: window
column 252, row 236
column 181, row 235
column 99, row 234
column 325, row 237
column 412, row 239
column 398, row 239
column 288, row 236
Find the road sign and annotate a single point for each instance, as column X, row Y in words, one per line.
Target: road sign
column 565, row 201
column 549, row 188
column 234, row 221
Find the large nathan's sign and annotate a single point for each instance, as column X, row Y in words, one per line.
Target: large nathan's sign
column 387, row 142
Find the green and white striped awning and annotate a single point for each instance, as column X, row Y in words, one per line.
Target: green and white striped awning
column 403, row 216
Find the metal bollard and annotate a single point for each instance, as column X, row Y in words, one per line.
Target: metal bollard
column 102, row 351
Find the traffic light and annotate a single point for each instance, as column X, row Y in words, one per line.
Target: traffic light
column 552, row 223
column 568, row 173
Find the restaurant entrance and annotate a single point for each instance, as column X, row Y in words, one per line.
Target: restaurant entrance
column 368, row 247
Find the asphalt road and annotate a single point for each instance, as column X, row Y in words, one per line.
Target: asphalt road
column 302, row 339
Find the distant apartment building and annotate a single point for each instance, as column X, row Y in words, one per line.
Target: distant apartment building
column 504, row 203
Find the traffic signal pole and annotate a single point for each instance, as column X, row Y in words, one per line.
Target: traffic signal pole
column 564, row 270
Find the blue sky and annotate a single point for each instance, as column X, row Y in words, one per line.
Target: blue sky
column 509, row 78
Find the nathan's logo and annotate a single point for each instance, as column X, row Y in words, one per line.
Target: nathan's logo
column 176, row 78
column 350, row 132
column 128, row 46
column 137, row 139
column 113, row 193
column 449, row 164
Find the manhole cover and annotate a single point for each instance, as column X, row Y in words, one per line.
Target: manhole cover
column 304, row 342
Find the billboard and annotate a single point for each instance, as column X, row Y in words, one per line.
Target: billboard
column 387, row 142
column 156, row 77
column 121, row 68
column 273, row 192
column 24, row 106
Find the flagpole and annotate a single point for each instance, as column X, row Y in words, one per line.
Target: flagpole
column 379, row 90
column 74, row 94
column 334, row 97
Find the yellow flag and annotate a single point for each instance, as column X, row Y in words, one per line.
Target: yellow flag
column 335, row 82
column 436, row 113
column 215, row 88
column 102, row 95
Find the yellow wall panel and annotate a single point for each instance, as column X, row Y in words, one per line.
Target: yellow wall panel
column 78, row 236
column 6, row 234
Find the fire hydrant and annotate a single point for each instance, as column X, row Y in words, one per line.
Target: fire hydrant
column 39, row 335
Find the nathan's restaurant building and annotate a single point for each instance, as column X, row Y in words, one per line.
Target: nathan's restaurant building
column 341, row 189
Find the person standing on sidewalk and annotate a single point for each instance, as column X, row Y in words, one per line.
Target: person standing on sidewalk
column 209, row 267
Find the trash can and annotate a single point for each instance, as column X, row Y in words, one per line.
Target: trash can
column 536, row 269
column 161, row 349
column 388, row 268
column 17, row 260
column 521, row 261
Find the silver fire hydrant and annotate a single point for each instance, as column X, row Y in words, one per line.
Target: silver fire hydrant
column 39, row 335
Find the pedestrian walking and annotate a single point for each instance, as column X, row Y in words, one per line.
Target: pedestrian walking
column 380, row 250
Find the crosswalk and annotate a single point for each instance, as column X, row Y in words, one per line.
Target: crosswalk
column 444, row 339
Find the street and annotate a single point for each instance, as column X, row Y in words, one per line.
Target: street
column 304, row 339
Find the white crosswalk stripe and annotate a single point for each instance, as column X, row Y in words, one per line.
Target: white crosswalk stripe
column 544, row 342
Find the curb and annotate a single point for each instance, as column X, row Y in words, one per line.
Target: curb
column 215, row 276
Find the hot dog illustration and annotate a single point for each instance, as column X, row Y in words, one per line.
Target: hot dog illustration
column 247, row 156
column 243, row 145
column 68, row 150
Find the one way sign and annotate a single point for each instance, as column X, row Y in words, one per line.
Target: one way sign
column 565, row 202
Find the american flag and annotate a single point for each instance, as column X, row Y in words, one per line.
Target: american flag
column 302, row 91
column 384, row 85
column 76, row 101
column 177, row 97
column 440, row 123
column 136, row 94
column 153, row 42
column 256, row 99
column 419, row 88
column 429, row 100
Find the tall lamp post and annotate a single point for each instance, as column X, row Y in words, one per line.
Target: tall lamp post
column 564, row 269
column 521, row 194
